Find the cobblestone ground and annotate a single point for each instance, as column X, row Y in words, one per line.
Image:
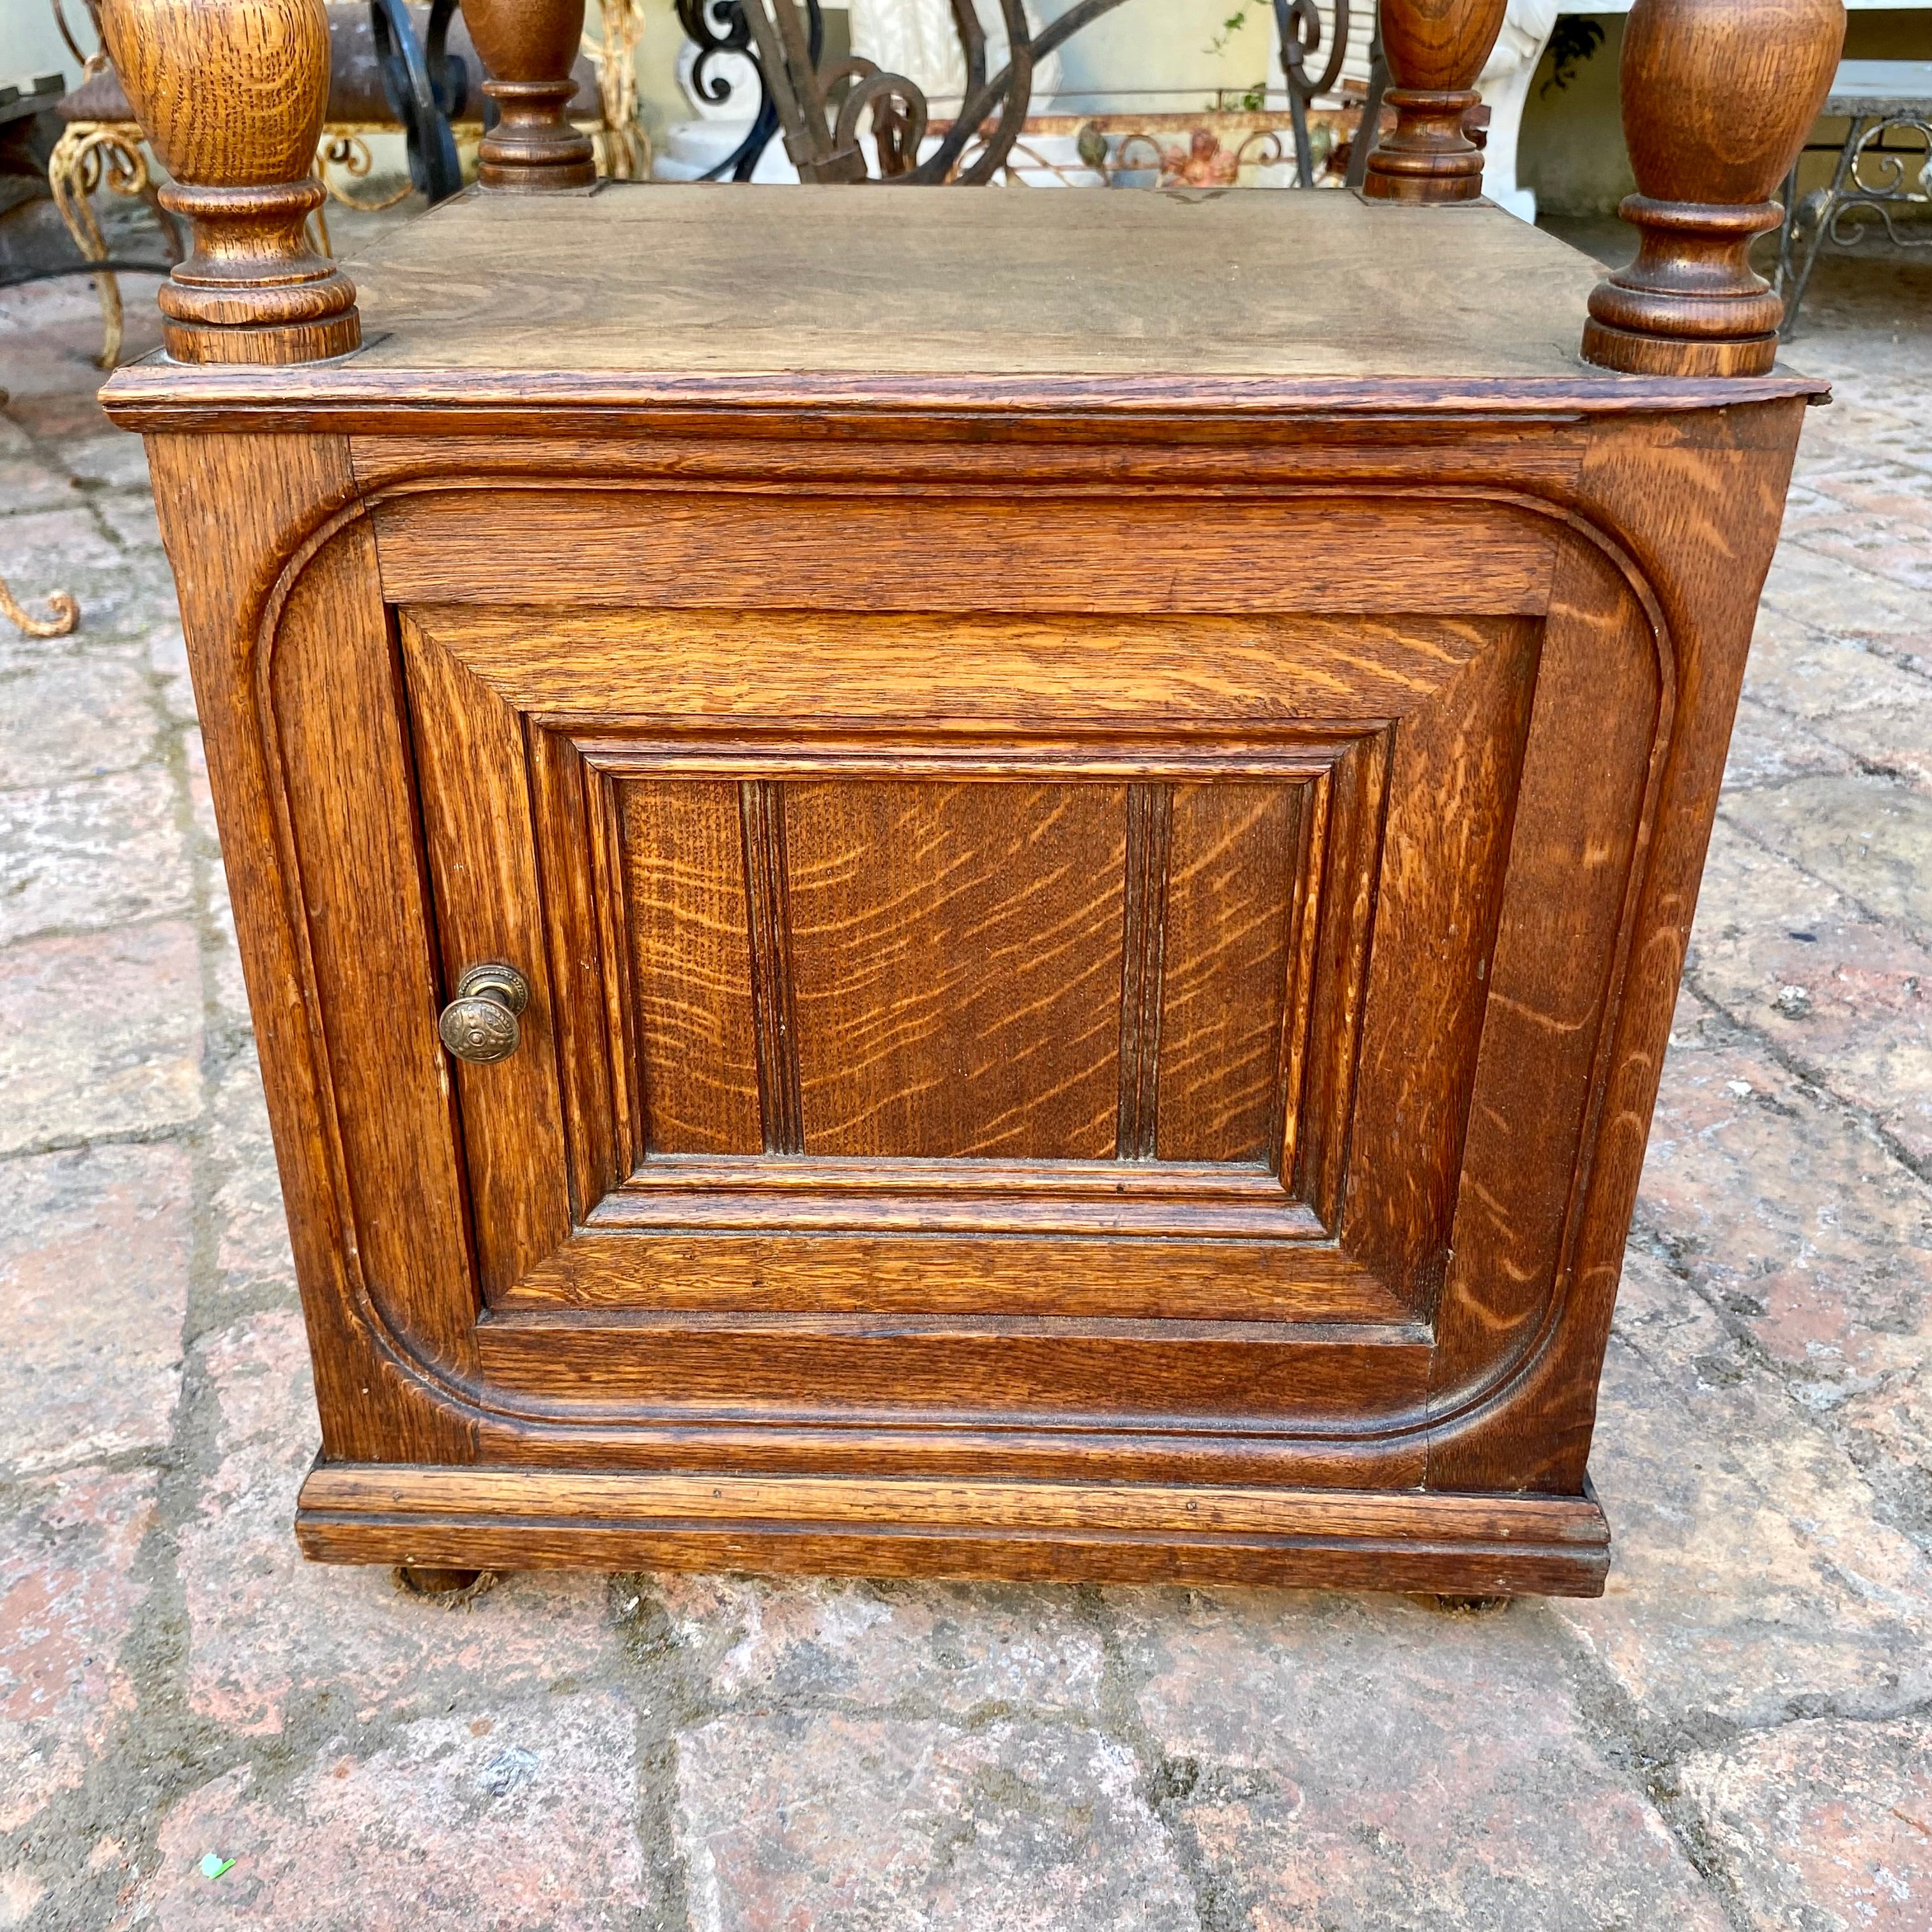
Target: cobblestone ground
column 1737, row 1735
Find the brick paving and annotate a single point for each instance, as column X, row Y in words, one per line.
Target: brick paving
column 1739, row 1735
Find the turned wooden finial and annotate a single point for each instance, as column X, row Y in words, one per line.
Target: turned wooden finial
column 1434, row 49
column 1718, row 96
column 530, row 47
column 231, row 95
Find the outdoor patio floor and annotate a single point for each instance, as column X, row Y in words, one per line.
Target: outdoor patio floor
column 1739, row 1734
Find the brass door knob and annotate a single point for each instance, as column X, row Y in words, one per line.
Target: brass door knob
column 480, row 1024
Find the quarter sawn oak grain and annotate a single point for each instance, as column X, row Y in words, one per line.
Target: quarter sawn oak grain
column 1100, row 938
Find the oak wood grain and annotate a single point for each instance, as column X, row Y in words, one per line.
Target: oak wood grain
column 333, row 700
column 472, row 785
column 1453, row 786
column 1288, row 1274
column 1489, row 1545
column 1434, row 49
column 951, row 1369
column 229, row 511
column 1579, row 824
column 1727, row 474
column 1013, row 671
column 685, row 899
column 1032, row 283
column 567, row 805
column 232, row 94
column 766, row 866
column 1349, row 805
column 528, row 48
column 1172, row 425
column 757, row 551
column 1226, row 996
column 1313, row 764
column 958, row 955
column 979, row 1193
column 1719, row 97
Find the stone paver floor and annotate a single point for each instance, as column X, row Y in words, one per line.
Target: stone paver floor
column 1739, row 1734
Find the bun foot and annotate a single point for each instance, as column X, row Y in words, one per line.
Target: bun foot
column 448, row 1587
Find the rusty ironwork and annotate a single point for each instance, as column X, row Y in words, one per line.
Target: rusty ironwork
column 66, row 611
column 1882, row 171
column 822, row 110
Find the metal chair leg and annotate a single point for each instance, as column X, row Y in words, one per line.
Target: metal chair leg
column 1369, row 131
column 1791, row 242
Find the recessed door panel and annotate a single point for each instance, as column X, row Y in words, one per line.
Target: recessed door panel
column 955, row 958
column 905, row 1019
column 691, row 961
column 1233, row 858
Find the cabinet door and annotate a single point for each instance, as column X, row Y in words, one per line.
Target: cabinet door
column 930, row 1014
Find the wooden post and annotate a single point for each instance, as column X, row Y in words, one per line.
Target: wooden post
column 231, row 95
column 1718, row 96
column 530, row 47
column 1434, row 49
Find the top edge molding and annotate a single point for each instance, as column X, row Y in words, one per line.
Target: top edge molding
column 161, row 395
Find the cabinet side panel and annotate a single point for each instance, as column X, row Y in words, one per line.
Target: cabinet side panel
column 349, row 790
column 1697, row 501
column 1578, row 825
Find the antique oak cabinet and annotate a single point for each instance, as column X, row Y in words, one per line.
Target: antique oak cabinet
column 965, row 882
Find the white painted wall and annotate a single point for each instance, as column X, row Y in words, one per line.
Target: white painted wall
column 31, row 44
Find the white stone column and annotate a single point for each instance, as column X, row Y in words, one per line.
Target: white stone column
column 1504, row 84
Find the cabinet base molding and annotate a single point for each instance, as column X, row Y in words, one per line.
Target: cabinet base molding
column 526, row 1519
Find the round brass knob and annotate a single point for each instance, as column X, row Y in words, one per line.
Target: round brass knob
column 480, row 1024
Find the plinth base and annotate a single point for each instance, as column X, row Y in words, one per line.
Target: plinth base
column 1676, row 355
column 526, row 1519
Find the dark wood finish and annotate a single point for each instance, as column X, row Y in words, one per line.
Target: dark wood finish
column 1098, row 941
column 231, row 95
column 1434, row 49
column 1718, row 96
column 530, row 47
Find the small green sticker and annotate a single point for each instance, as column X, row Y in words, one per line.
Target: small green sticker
column 213, row 1864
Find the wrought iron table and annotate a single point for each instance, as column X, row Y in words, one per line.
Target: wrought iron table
column 1874, row 180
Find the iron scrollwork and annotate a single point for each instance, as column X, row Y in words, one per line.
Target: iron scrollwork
column 426, row 87
column 1871, row 182
column 1298, row 27
column 718, row 27
column 821, row 108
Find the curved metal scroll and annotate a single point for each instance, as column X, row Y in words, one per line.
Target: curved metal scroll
column 720, row 27
column 820, row 109
column 1298, row 25
column 426, row 87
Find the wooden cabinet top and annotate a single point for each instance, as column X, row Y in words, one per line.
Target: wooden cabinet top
column 1182, row 301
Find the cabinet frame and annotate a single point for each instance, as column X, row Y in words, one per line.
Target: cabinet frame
column 1445, row 1451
